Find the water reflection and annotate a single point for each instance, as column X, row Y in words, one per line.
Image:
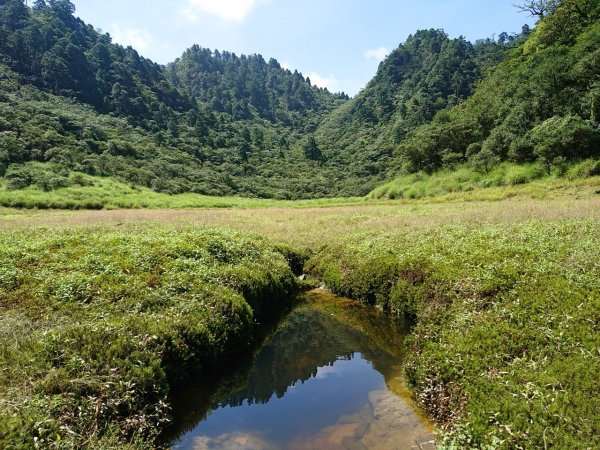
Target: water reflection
column 322, row 379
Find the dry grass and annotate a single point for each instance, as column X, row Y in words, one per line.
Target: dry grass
column 312, row 227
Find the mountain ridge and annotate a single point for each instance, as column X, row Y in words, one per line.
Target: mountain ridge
column 215, row 123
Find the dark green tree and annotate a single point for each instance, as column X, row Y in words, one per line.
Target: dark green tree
column 311, row 149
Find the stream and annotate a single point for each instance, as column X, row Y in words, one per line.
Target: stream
column 329, row 376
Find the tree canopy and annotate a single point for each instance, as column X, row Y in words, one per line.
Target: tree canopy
column 216, row 123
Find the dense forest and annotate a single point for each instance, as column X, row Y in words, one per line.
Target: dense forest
column 428, row 73
column 212, row 123
column 540, row 104
column 218, row 124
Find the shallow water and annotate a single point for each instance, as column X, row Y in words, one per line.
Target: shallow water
column 328, row 377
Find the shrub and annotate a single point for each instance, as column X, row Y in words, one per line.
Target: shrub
column 523, row 174
column 498, row 142
column 570, row 137
column 484, row 160
column 585, row 169
column 18, row 177
column 521, row 149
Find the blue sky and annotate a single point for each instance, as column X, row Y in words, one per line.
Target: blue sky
column 337, row 43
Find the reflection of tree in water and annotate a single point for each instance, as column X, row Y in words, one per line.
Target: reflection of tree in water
column 307, row 341
column 313, row 337
column 315, row 334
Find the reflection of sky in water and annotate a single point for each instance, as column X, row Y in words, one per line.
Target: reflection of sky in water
column 336, row 390
column 319, row 369
column 336, row 370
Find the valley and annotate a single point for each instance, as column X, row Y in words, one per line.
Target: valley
column 218, row 252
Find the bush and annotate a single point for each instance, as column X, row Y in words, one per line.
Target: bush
column 523, row 174
column 570, row 137
column 521, row 150
column 498, row 142
column 484, row 160
column 584, row 169
column 18, row 177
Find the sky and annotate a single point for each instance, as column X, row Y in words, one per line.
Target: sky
column 337, row 43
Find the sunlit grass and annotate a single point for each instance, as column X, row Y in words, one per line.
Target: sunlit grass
column 98, row 325
column 502, row 181
column 464, row 184
column 504, row 287
column 108, row 193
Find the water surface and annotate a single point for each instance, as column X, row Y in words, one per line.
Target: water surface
column 328, row 377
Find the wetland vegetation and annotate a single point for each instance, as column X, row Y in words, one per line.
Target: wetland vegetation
column 505, row 295
column 155, row 218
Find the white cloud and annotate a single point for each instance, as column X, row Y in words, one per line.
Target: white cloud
column 229, row 10
column 138, row 38
column 285, row 65
column 334, row 370
column 330, row 81
column 376, row 54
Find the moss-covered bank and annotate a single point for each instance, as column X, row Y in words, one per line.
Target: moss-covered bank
column 506, row 351
column 97, row 325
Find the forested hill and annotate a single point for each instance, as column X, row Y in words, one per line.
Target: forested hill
column 56, row 51
column 212, row 122
column 540, row 106
column 247, row 87
column 428, row 73
column 53, row 50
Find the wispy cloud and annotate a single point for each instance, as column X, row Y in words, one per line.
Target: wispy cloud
column 229, row 10
column 330, row 81
column 376, row 54
column 138, row 38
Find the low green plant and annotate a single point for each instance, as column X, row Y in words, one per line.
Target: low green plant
column 467, row 179
column 98, row 325
column 504, row 353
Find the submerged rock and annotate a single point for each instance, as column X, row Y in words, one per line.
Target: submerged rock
column 395, row 425
column 386, row 422
column 233, row 441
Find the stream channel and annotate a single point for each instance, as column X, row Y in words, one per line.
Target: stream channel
column 328, row 376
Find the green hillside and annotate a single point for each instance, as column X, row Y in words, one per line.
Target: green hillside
column 540, row 105
column 77, row 102
column 214, row 123
column 428, row 73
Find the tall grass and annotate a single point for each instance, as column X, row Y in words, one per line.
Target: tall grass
column 465, row 179
column 504, row 181
column 107, row 193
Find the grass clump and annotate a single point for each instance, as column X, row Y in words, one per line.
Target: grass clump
column 98, row 325
column 505, row 351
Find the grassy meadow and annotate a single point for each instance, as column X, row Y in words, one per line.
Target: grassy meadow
column 105, row 311
column 77, row 191
column 95, row 193
column 98, row 325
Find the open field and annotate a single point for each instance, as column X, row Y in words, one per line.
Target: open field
column 311, row 227
column 506, row 295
